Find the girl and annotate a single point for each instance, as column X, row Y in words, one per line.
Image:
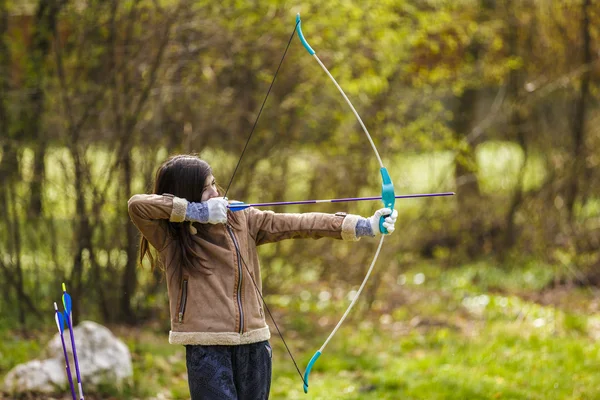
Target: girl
column 210, row 258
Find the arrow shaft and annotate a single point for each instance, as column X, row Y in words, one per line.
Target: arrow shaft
column 70, row 325
column 68, row 368
column 342, row 200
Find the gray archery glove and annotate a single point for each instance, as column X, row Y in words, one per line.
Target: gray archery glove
column 213, row 211
column 217, row 210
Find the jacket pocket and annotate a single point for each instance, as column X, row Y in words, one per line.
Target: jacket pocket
column 182, row 300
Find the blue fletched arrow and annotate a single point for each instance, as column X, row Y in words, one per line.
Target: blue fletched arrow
column 67, row 303
column 66, row 298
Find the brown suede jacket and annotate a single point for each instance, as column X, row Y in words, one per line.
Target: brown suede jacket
column 222, row 307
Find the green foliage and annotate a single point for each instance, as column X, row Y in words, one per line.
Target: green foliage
column 15, row 349
column 459, row 95
column 499, row 165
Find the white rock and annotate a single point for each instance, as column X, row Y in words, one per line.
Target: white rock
column 42, row 376
column 103, row 358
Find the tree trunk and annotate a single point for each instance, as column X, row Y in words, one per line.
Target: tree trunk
column 9, row 163
column 580, row 114
column 517, row 131
column 129, row 283
column 465, row 163
column 82, row 233
column 126, row 120
column 44, row 28
column 466, row 181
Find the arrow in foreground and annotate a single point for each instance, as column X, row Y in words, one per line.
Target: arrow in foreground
column 60, row 323
column 66, row 298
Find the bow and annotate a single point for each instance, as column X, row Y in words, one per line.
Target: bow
column 387, row 196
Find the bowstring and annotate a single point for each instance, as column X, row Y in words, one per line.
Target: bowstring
column 272, row 318
column 260, row 110
column 229, row 185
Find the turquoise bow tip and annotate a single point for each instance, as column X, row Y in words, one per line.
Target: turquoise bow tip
column 312, row 362
column 301, row 36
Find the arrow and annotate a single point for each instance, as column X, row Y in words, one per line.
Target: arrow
column 66, row 298
column 238, row 206
column 60, row 323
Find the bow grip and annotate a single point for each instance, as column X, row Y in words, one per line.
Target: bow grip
column 388, row 196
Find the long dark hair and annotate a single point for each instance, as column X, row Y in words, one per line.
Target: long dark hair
column 183, row 176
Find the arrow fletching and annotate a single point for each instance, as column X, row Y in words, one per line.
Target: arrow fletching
column 66, row 298
column 238, row 206
column 59, row 318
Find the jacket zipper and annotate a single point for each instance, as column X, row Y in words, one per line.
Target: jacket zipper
column 183, row 300
column 240, row 272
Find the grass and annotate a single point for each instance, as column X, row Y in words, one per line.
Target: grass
column 443, row 364
column 479, row 331
column 450, row 337
column 475, row 332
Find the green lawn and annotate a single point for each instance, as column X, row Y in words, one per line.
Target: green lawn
column 475, row 332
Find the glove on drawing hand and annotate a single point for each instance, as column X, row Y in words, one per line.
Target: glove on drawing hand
column 217, row 210
column 212, row 211
column 388, row 222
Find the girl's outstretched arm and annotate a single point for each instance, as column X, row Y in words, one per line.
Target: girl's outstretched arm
column 268, row 227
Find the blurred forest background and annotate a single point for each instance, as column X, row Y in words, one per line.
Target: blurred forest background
column 495, row 100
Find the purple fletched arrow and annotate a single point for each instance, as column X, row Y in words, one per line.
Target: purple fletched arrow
column 69, row 318
column 60, row 323
column 238, row 206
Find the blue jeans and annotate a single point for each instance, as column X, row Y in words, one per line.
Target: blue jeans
column 229, row 372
